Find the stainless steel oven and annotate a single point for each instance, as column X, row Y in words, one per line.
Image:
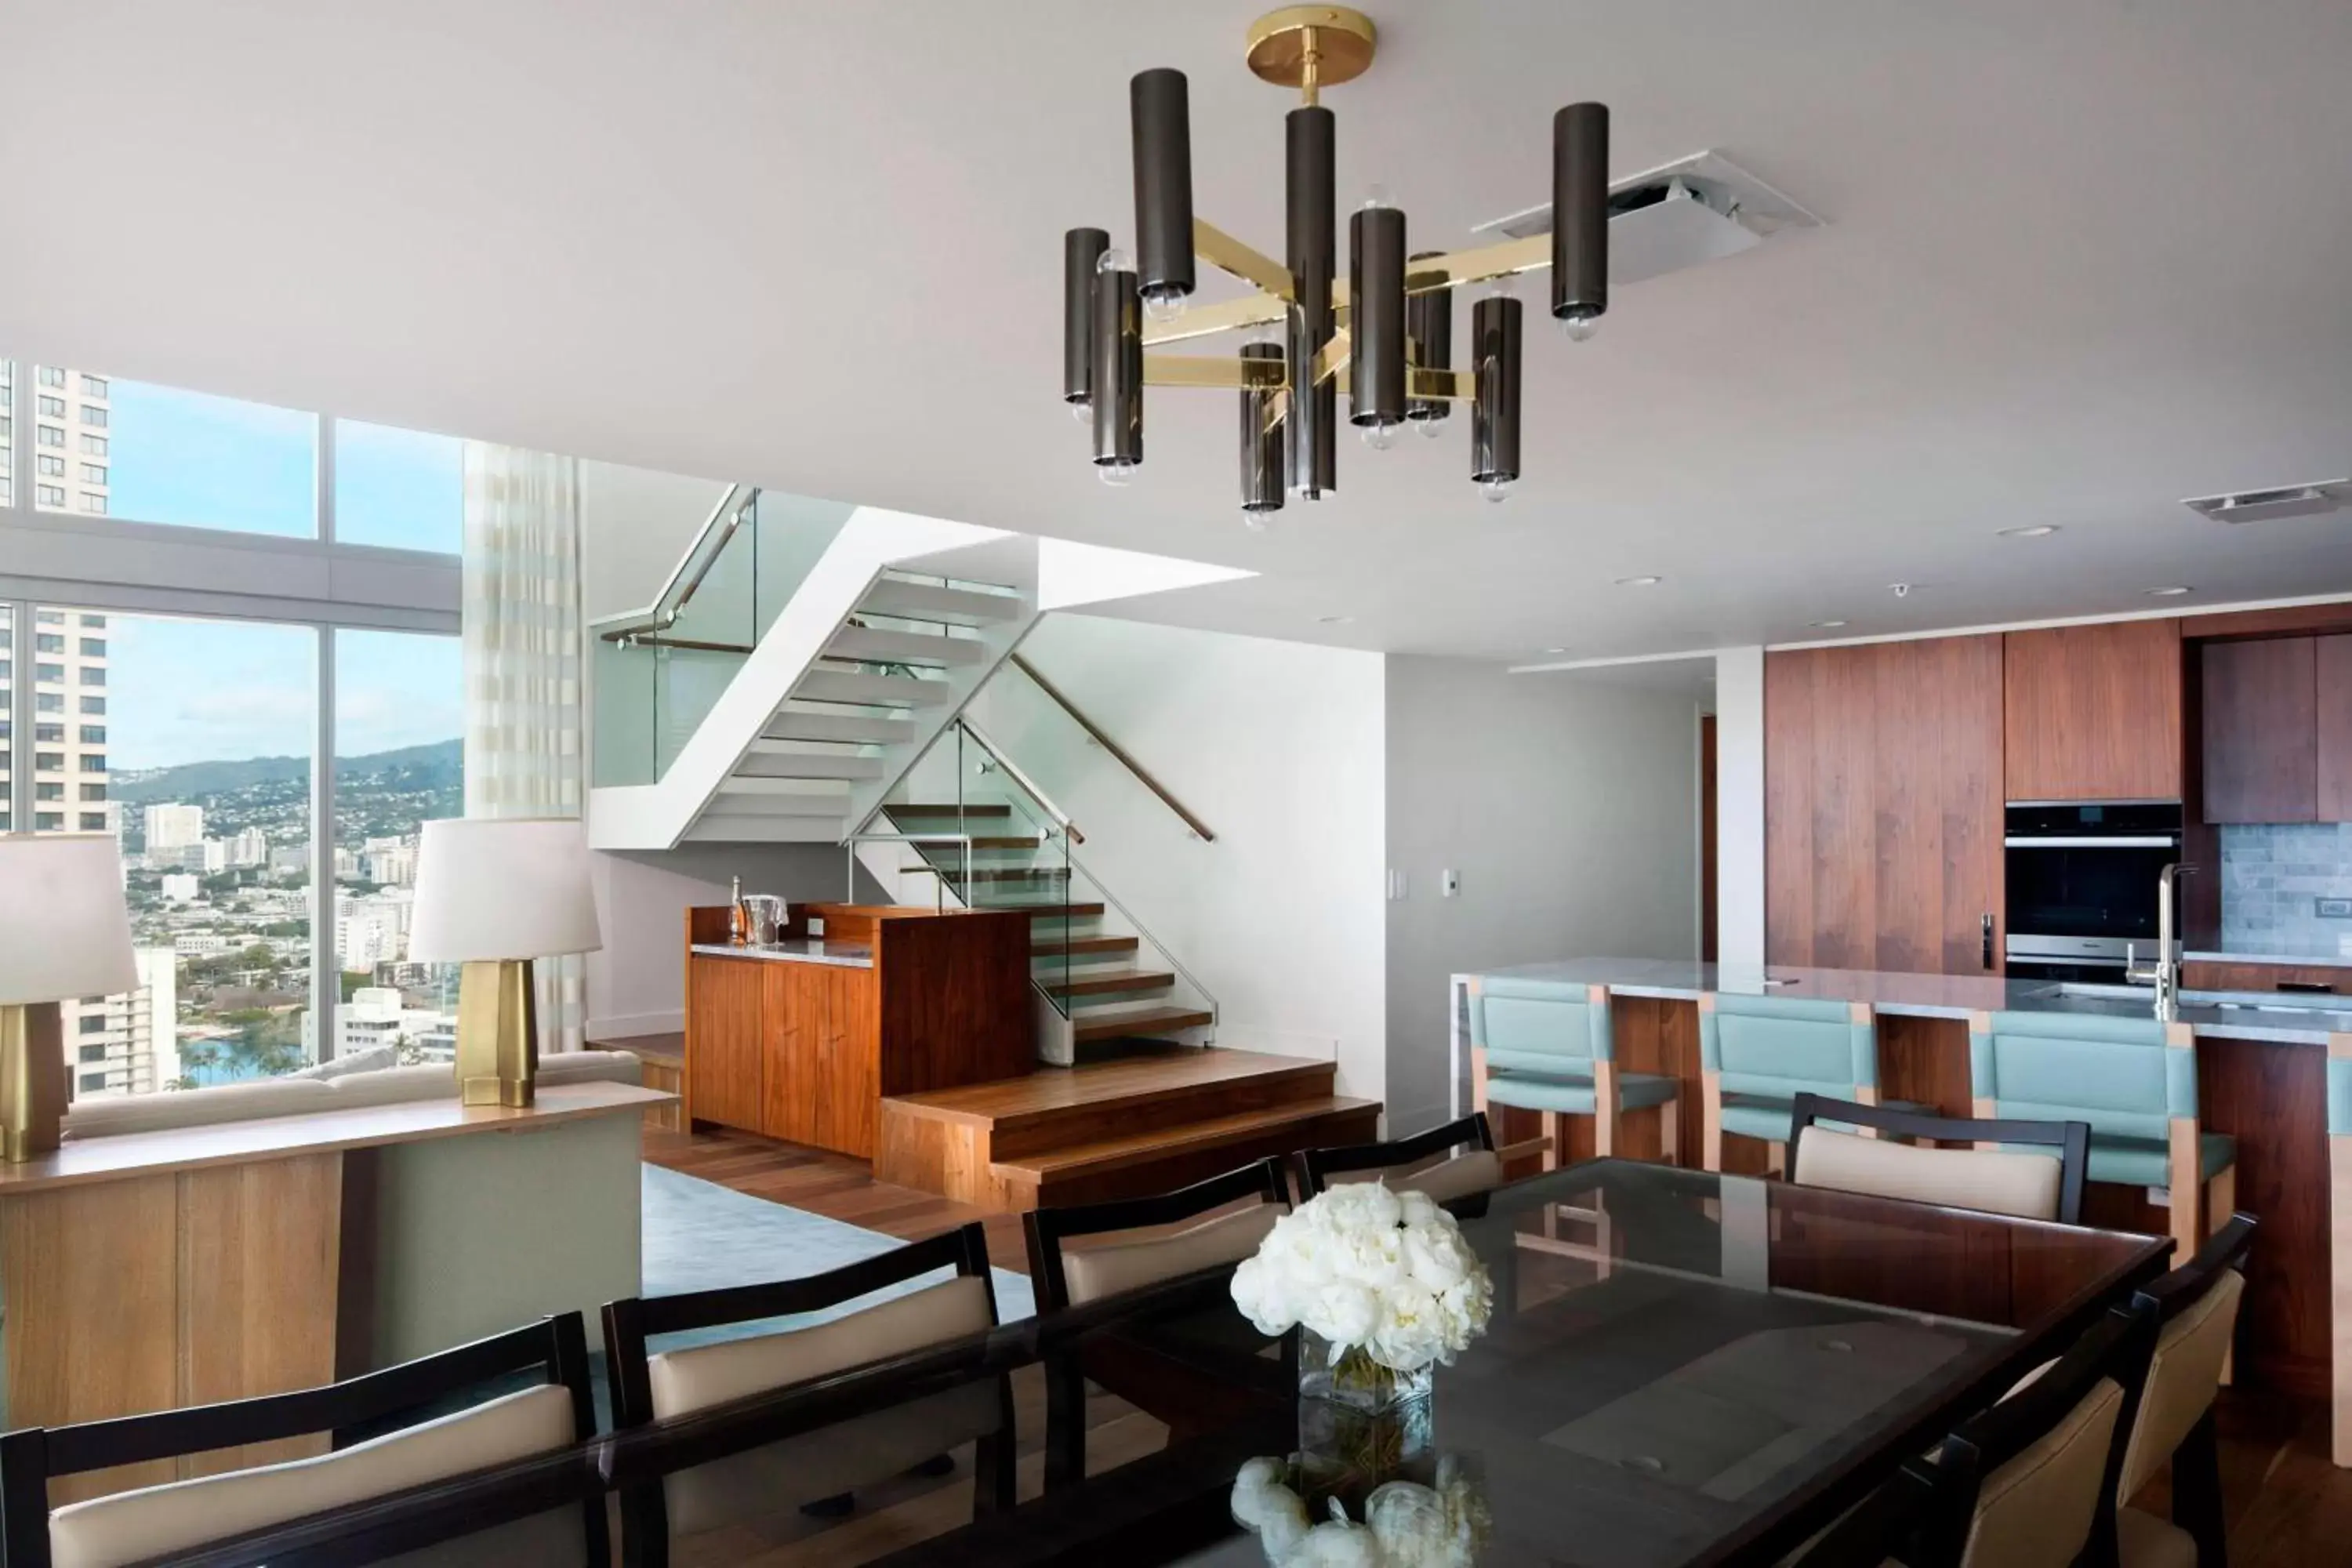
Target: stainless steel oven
column 2081, row 884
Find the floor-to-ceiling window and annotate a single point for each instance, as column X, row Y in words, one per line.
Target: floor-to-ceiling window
column 227, row 638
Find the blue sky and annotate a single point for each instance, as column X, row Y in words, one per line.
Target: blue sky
column 183, row 690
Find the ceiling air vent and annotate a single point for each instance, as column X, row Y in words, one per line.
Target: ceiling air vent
column 2269, row 506
column 1678, row 215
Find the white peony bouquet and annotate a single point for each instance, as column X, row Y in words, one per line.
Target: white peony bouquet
column 1405, row 1525
column 1367, row 1268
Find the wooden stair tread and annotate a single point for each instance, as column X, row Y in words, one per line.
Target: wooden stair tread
column 1141, row 1025
column 1147, row 1147
column 1144, row 1078
column 947, row 810
column 1107, row 981
column 1078, row 944
column 1053, row 911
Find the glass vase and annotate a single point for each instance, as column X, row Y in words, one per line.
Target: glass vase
column 1360, row 1425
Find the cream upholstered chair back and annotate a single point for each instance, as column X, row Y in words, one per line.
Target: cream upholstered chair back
column 2038, row 1509
column 2033, row 1170
column 2199, row 1304
column 927, row 1311
column 1131, row 1242
column 1449, row 1163
column 175, row 1518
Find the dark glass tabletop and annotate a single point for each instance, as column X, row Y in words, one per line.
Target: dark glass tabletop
column 1682, row 1369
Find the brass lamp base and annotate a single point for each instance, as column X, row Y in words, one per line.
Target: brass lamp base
column 497, row 1034
column 32, row 1080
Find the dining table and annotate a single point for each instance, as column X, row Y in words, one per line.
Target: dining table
column 1680, row 1369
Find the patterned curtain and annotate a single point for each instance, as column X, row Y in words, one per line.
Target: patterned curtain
column 521, row 635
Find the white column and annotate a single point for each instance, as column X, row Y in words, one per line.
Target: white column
column 1739, row 804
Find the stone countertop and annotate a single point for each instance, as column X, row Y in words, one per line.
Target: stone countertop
column 809, row 949
column 2251, row 1016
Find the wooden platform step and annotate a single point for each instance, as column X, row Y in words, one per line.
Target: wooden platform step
column 1143, row 1025
column 1053, row 911
column 1134, row 1164
column 1095, row 1125
column 947, row 810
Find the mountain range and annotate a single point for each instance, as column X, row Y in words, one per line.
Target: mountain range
column 436, row 765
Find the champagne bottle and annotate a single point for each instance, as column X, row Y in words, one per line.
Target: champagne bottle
column 739, row 918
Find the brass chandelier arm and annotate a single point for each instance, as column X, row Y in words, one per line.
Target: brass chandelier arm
column 1207, row 320
column 1213, row 373
column 1456, row 267
column 1451, row 270
column 1222, row 250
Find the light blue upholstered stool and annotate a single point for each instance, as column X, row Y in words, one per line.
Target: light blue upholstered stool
column 1756, row 1053
column 1547, row 1047
column 2135, row 1081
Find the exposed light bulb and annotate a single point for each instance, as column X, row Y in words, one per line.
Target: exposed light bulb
column 1380, row 434
column 1377, row 195
column 1082, row 409
column 1580, row 327
column 1163, row 304
column 1117, row 473
column 1258, row 521
column 1114, row 260
column 1431, row 429
column 1496, row 490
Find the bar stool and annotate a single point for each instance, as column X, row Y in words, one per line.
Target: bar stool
column 1546, row 1045
column 1756, row 1053
column 2135, row 1081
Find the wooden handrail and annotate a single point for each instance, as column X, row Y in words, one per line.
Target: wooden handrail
column 1200, row 828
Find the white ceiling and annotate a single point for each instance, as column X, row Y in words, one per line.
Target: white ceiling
column 2082, row 260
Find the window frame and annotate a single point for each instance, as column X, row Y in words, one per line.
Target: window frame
column 128, row 565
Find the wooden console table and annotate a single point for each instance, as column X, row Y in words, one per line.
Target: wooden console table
column 800, row 1040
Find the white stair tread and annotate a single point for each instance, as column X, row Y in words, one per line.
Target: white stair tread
column 854, row 729
column 870, row 690
column 904, row 647
column 930, row 602
column 776, row 760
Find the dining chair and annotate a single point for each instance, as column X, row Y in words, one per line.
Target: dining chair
column 1128, row 1245
column 2001, row 1175
column 2197, row 1306
column 2135, row 1081
column 1756, row 1053
column 1548, row 1047
column 2032, row 1476
column 1456, row 1163
column 1871, row 1533
column 524, row 1392
column 819, row 1470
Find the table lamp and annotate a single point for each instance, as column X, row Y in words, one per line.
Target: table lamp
column 65, row 931
column 493, row 895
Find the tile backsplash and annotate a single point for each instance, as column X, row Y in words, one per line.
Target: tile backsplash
column 2272, row 877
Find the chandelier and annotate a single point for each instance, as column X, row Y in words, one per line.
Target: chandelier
column 1384, row 335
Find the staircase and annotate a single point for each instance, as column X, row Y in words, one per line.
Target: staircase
column 1149, row 1122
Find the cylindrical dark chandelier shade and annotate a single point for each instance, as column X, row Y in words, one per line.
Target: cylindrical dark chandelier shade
column 1429, row 325
column 1580, row 211
column 1081, row 249
column 1163, row 184
column 1495, row 411
column 1309, row 136
column 1262, row 470
column 1118, row 369
column 1376, row 380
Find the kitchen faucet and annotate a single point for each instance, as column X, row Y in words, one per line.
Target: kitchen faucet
column 2164, row 973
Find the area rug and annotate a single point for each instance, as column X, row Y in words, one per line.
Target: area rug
column 699, row 1236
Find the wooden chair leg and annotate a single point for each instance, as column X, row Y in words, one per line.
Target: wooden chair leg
column 2197, row 1493
column 1555, row 1133
column 1776, row 1158
column 1710, row 1135
column 2220, row 1203
column 1670, row 1132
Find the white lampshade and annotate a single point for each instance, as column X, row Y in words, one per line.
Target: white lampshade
column 511, row 888
column 64, row 928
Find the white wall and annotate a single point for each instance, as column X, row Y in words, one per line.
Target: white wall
column 1277, row 747
column 636, row 986
column 1565, row 802
column 634, row 523
column 1739, row 806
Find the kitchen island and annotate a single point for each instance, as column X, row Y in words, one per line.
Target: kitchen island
column 2273, row 1069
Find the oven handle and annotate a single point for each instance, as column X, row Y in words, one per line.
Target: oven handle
column 2147, row 841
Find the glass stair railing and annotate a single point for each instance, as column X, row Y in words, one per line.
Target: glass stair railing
column 659, row 672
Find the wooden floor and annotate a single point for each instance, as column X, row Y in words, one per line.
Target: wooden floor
column 2289, row 1507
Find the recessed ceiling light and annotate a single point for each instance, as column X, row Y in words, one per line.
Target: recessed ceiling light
column 2034, row 530
column 2165, row 593
column 1333, row 620
column 1643, row 582
column 1829, row 626
column 1555, row 650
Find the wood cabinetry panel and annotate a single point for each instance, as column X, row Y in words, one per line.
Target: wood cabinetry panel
column 2261, row 722
column 2207, row 975
column 2093, row 712
column 1883, row 805
column 723, row 1043
column 2331, row 697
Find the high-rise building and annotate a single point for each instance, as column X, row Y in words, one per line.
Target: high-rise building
column 68, row 417
column 173, row 827
column 248, row 846
column 128, row 1043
